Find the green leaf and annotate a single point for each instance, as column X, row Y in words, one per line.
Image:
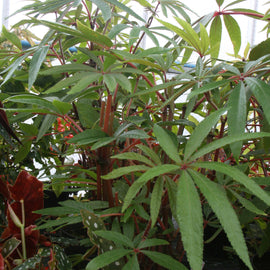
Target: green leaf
column 23, row 152
column 67, row 68
column 260, row 50
column 237, row 115
column 116, row 29
column 110, row 81
column 102, row 142
column 166, row 143
column 104, row 7
column 205, row 41
column 225, row 141
column 125, row 171
column 132, row 264
column 134, row 156
column 116, row 237
column 261, row 91
column 200, row 132
column 33, row 100
column 219, row 2
column 63, row 262
column 233, row 31
column 107, row 258
column 135, row 134
column 88, row 136
column 126, row 9
column 84, row 82
column 217, row 199
column 46, row 124
column 94, row 36
column 190, row 220
column 63, row 107
column 247, row 204
column 143, row 179
column 35, row 64
column 164, row 260
column 150, row 153
column 215, row 37
column 238, row 176
column 207, row 87
column 156, row 198
column 9, row 246
column 152, row 242
column 13, row 38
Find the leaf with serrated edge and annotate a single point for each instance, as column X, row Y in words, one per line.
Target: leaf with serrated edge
column 164, row 260
column 190, row 220
column 237, row 115
column 156, row 198
column 167, row 143
column 200, row 132
column 217, row 199
column 143, row 179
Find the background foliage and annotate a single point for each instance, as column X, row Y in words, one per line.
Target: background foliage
column 142, row 162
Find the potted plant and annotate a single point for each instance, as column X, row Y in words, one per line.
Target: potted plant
column 142, row 169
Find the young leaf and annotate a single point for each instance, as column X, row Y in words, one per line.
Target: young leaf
column 143, row 179
column 200, row 132
column 164, row 260
column 166, row 143
column 237, row 115
column 156, row 198
column 215, row 37
column 220, row 204
column 107, row 258
column 234, row 32
column 35, row 64
column 187, row 202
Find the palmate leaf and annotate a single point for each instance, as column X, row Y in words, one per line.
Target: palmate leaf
column 217, row 199
column 200, row 132
column 190, row 220
column 237, row 115
column 143, row 179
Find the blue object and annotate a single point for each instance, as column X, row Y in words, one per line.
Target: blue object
column 73, row 49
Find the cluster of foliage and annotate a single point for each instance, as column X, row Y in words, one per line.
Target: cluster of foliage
column 144, row 153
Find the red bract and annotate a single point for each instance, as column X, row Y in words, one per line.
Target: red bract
column 30, row 190
column 2, row 262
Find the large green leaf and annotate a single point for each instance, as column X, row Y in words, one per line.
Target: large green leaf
column 215, row 36
column 164, row 260
column 234, row 32
column 200, row 132
column 237, row 115
column 35, row 64
column 190, row 220
column 67, row 68
column 156, row 198
column 217, row 199
column 261, row 91
column 238, row 176
column 225, row 141
column 143, row 179
column 166, row 143
column 260, row 50
column 107, row 258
